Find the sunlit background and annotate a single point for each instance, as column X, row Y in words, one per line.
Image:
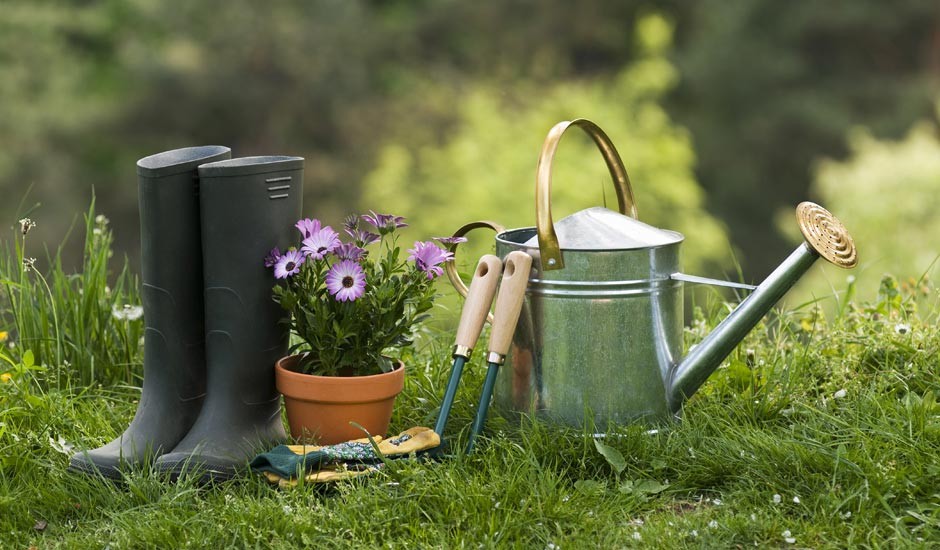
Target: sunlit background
column 727, row 114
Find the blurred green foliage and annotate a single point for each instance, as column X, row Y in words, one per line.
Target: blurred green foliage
column 763, row 87
column 484, row 168
column 887, row 193
column 769, row 87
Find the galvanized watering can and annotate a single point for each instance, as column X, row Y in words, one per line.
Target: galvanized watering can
column 600, row 334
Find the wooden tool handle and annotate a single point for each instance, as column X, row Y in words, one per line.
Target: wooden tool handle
column 479, row 299
column 509, row 301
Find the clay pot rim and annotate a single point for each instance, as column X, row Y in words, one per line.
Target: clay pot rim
column 313, row 387
column 399, row 365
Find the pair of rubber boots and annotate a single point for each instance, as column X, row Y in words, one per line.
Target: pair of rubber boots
column 212, row 336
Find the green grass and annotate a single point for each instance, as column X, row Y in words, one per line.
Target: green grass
column 838, row 416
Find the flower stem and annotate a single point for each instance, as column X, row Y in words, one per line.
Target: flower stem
column 55, row 324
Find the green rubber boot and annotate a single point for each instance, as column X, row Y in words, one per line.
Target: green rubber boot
column 171, row 272
column 249, row 206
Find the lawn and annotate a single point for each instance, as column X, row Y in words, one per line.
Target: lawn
column 821, row 430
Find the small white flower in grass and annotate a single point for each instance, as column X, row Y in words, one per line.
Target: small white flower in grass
column 127, row 313
column 716, row 502
column 637, row 536
column 694, row 532
column 712, row 524
column 777, row 499
column 652, row 432
column 788, row 537
column 753, row 517
column 287, row 509
column 552, row 546
column 840, row 394
column 846, row 515
column 902, row 328
column 796, row 500
column 61, row 445
column 496, row 505
column 26, row 224
column 565, row 498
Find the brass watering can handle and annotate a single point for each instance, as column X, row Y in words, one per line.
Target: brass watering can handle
column 549, row 249
column 451, row 267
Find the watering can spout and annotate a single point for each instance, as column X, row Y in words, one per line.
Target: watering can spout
column 824, row 236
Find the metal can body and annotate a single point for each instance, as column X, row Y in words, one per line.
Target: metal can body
column 598, row 339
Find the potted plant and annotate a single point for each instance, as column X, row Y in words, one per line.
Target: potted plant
column 353, row 305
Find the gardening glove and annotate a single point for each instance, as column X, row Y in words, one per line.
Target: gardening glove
column 343, row 460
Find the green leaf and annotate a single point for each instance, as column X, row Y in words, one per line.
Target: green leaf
column 590, row 487
column 613, row 456
column 648, row 486
column 385, row 364
column 28, row 359
column 642, row 487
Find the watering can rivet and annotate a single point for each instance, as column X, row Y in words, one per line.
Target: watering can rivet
column 551, row 261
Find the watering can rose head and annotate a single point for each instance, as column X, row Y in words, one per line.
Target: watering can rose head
column 353, row 302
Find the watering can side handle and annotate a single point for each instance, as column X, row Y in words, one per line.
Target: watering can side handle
column 451, row 267
column 696, row 280
column 549, row 248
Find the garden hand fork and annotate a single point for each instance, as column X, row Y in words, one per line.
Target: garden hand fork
column 508, row 307
column 475, row 310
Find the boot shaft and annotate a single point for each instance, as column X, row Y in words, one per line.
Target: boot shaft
column 171, row 270
column 248, row 207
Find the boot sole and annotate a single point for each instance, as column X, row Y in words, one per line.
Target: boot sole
column 94, row 470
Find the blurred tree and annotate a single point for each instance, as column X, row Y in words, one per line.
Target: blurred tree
column 888, row 194
column 89, row 87
column 770, row 86
column 58, row 82
column 485, row 167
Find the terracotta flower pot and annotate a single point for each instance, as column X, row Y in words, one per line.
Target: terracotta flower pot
column 320, row 408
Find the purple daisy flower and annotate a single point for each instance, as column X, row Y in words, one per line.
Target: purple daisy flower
column 288, row 264
column 273, row 256
column 428, row 257
column 351, row 223
column 320, row 243
column 346, row 281
column 385, row 223
column 450, row 240
column 363, row 238
column 349, row 251
column 308, row 227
